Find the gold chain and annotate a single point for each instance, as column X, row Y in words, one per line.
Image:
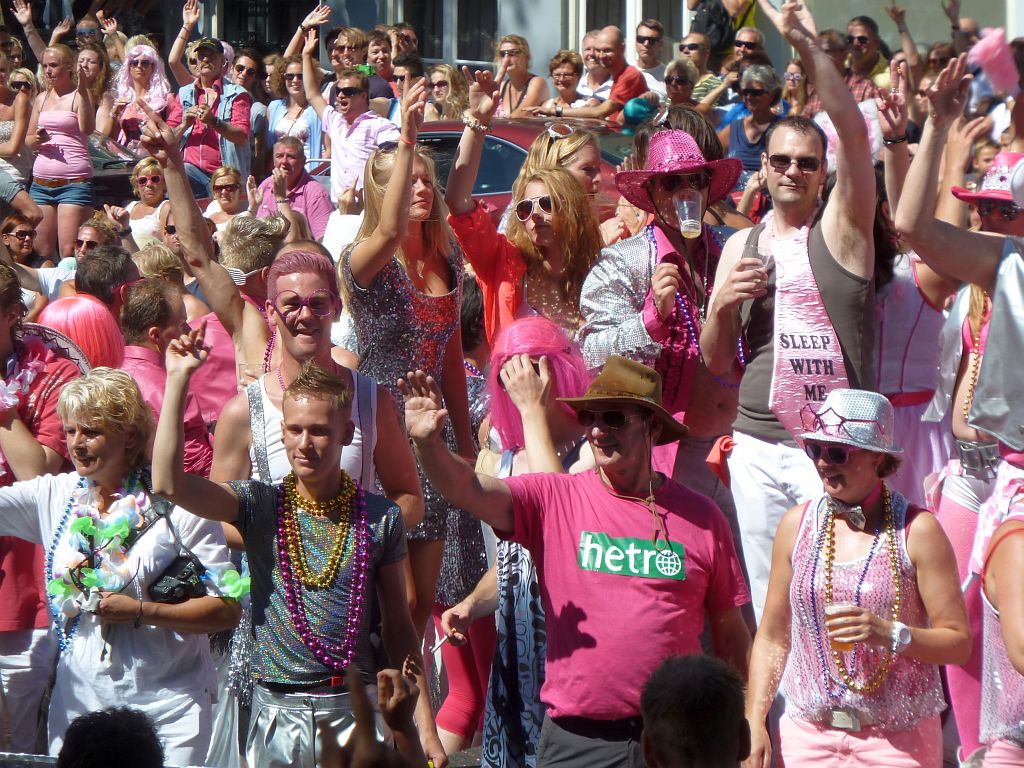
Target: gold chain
column 882, row 672
column 972, row 375
column 293, row 501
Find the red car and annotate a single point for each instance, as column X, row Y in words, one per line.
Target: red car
column 505, row 151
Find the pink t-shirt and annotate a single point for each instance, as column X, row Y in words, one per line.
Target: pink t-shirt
column 616, row 606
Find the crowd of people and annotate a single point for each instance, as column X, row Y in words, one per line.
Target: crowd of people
column 303, row 473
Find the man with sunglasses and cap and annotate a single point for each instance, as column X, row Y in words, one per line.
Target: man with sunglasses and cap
column 797, row 290
column 211, row 116
column 646, row 298
column 626, row 559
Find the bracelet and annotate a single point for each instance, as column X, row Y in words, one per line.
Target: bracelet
column 894, row 140
column 281, row 200
column 475, row 125
column 558, row 111
column 123, row 232
column 138, row 616
column 407, row 142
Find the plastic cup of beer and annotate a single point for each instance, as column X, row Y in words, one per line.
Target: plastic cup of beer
column 688, row 204
column 834, row 609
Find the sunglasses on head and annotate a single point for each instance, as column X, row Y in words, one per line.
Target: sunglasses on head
column 22, row 234
column 750, row 45
column 145, row 181
column 525, row 208
column 690, row 46
column 861, row 39
column 782, row 163
column 349, row 92
column 676, row 80
column 21, row 85
column 86, row 244
column 613, row 420
column 834, row 454
column 673, row 182
column 241, row 69
column 648, row 39
column 1009, row 211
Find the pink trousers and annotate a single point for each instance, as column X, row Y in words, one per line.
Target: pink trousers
column 802, row 743
column 467, row 667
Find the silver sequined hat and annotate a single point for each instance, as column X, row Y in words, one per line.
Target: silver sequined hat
column 996, row 184
column 853, row 417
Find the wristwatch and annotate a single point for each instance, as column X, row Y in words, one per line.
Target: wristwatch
column 901, row 637
column 558, row 111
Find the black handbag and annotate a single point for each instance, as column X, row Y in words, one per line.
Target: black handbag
column 180, row 581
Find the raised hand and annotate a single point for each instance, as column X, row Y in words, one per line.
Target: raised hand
column 117, row 216
column 109, row 24
column 952, row 10
column 63, row 27
column 483, row 92
column 897, row 13
column 318, row 16
column 22, row 12
column 892, row 105
column 186, row 353
column 414, row 100
column 190, row 13
column 424, row 414
column 309, row 46
column 528, row 384
column 158, row 137
column 252, row 192
column 793, row 20
column 948, row 94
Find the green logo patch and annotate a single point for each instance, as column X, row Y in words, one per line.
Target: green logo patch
column 631, row 557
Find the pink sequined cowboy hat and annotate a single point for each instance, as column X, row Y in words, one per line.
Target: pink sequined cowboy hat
column 996, row 184
column 676, row 152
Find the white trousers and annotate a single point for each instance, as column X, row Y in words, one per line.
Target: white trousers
column 26, row 660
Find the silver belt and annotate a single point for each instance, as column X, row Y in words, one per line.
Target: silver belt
column 848, row 719
column 978, row 457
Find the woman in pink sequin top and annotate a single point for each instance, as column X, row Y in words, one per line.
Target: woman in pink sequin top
column 863, row 606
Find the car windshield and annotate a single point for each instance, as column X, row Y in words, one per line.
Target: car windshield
column 615, row 146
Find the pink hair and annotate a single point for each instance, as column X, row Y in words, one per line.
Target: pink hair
column 302, row 262
column 534, row 336
column 88, row 323
column 159, row 87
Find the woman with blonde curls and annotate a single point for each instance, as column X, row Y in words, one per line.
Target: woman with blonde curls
column 94, row 66
column 58, row 132
column 402, row 282
column 449, row 96
column 148, row 214
column 141, row 78
column 522, row 89
column 552, row 238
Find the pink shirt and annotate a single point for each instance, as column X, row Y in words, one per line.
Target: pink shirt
column 146, row 367
column 202, row 148
column 308, row 197
column 352, row 144
column 616, row 606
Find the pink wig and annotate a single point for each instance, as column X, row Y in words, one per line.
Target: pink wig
column 88, row 323
column 159, row 87
column 301, row 262
column 534, row 336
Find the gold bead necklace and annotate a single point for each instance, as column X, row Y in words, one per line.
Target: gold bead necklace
column 293, row 501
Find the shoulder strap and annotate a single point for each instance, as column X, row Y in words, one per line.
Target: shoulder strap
column 256, row 429
column 752, row 238
column 995, row 543
column 366, row 394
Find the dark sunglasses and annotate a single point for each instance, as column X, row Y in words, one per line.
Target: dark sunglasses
column 22, row 234
column 862, row 39
column 781, row 163
column 87, row 32
column 193, row 62
column 145, row 181
column 673, row 182
column 227, row 188
column 690, row 46
column 349, row 92
column 290, row 76
column 613, row 420
column 87, row 244
column 676, row 80
column 1009, row 211
column 648, row 39
column 524, row 208
column 241, row 69
column 140, row 63
column 753, row 93
column 748, row 44
column 509, row 52
column 834, row 454
column 21, row 85
column 439, row 84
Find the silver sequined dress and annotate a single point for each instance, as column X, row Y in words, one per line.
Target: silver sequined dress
column 399, row 330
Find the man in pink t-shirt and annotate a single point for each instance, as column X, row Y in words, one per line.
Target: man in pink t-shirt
column 629, row 562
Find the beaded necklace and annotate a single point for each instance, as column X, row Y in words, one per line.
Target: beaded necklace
column 829, row 539
column 293, row 537
column 268, row 354
column 336, row 656
column 471, row 369
column 978, row 349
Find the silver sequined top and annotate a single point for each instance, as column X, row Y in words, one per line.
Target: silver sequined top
column 399, row 330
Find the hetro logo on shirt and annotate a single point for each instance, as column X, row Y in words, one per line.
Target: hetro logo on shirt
column 631, row 557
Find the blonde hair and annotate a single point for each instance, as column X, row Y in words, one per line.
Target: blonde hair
column 101, row 224
column 516, row 40
column 548, row 152
column 29, row 75
column 577, row 234
column 159, row 261
column 249, row 243
column 226, row 170
column 134, row 40
column 978, row 310
column 66, row 55
column 458, row 93
column 437, row 235
column 109, row 399
column 143, row 168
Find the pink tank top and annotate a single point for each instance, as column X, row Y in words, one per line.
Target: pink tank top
column 808, row 358
column 811, row 682
column 66, row 154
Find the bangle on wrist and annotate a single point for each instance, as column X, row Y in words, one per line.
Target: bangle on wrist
column 122, row 233
column 407, row 142
column 281, row 200
column 475, row 125
column 138, row 616
column 894, row 140
column 558, row 111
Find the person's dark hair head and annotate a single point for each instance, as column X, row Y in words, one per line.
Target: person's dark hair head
column 472, row 315
column 692, row 708
column 834, row 38
column 864, row 21
column 315, row 383
column 654, row 24
column 147, row 303
column 117, row 737
column 361, row 78
column 679, row 118
column 798, row 124
column 412, row 62
column 10, row 290
column 102, row 270
column 380, row 36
